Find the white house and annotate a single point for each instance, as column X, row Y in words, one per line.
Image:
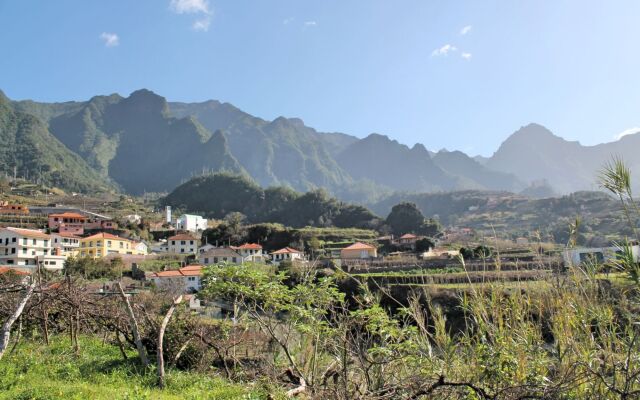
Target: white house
column 286, row 254
column 206, row 247
column 182, row 243
column 140, row 247
column 191, row 223
column 183, row 280
column 250, row 252
column 29, row 247
column 160, row 247
column 219, row 255
column 69, row 243
column 597, row 254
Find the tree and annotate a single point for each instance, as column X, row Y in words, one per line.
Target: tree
column 424, row 244
column 6, row 327
column 466, row 253
column 4, row 185
column 430, row 227
column 404, row 218
column 482, row 252
column 234, row 221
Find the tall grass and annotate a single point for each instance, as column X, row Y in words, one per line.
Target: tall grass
column 38, row 372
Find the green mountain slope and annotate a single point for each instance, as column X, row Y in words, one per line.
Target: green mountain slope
column 283, row 151
column 216, row 195
column 37, row 155
column 473, row 174
column 395, row 165
column 135, row 141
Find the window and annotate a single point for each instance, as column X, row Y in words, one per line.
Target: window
column 24, row 241
column 13, row 250
column 24, row 250
column 183, row 242
column 192, row 278
column 191, row 242
column 121, row 245
column 13, row 240
column 34, row 242
column 108, row 243
column 173, row 242
column 46, row 243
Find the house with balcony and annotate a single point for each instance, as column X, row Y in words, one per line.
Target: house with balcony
column 102, row 244
column 250, row 252
column 29, row 248
column 287, row 254
column 69, row 243
column 68, row 222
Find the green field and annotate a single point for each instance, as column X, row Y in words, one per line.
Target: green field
column 38, row 372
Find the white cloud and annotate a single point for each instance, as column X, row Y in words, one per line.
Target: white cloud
column 199, row 7
column 202, row 24
column 626, row 132
column 465, row 30
column 310, row 23
column 287, row 21
column 444, row 50
column 190, row 6
column 110, row 39
column 466, row 56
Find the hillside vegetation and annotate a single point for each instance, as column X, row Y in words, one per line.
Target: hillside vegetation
column 29, row 150
column 218, row 195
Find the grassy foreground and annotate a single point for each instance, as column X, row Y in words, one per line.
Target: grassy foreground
column 38, row 372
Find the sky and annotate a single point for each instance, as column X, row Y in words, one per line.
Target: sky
column 461, row 75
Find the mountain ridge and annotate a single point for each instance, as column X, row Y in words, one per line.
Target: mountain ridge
column 179, row 140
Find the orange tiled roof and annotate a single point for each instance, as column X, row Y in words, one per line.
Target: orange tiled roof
column 69, row 215
column 408, row 236
column 286, row 250
column 105, row 235
column 189, row 270
column 249, row 246
column 359, row 246
column 32, row 233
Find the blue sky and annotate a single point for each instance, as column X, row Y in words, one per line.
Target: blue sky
column 456, row 74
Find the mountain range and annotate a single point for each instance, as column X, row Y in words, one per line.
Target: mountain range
column 144, row 143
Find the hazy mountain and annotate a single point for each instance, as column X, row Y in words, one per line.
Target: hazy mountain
column 533, row 153
column 144, row 143
column 474, row 175
column 37, row 155
column 135, row 141
column 283, row 151
column 395, row 165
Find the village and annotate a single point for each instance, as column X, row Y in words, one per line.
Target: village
column 56, row 235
